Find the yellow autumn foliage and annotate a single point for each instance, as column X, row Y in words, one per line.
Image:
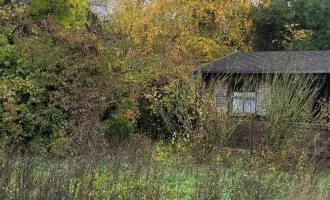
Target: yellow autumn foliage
column 195, row 30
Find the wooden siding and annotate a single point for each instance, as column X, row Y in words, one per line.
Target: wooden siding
column 221, row 99
column 261, row 98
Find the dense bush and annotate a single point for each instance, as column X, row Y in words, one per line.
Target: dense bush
column 66, row 12
column 183, row 110
column 118, row 127
column 53, row 84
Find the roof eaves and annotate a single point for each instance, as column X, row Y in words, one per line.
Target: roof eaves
column 210, row 63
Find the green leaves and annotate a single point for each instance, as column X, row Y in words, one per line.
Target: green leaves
column 66, row 12
column 118, row 127
column 279, row 26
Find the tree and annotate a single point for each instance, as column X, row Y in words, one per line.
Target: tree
column 190, row 30
column 291, row 25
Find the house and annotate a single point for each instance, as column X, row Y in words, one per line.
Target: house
column 244, row 93
column 252, row 67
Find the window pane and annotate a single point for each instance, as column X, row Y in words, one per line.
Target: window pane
column 249, row 105
column 237, row 105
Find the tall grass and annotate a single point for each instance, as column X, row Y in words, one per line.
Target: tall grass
column 154, row 172
column 291, row 111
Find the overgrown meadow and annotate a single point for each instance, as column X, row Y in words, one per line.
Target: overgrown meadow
column 157, row 172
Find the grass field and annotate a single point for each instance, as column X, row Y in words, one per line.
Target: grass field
column 156, row 172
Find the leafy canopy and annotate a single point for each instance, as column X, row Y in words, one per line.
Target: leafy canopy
column 66, row 12
column 298, row 25
column 191, row 29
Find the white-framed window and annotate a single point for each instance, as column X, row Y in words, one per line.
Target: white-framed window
column 243, row 98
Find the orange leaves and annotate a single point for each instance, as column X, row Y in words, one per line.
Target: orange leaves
column 266, row 3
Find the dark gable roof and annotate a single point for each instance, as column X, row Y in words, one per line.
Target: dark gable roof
column 271, row 62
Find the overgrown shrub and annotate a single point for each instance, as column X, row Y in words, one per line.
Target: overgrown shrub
column 118, row 127
column 187, row 113
column 53, row 84
column 66, row 12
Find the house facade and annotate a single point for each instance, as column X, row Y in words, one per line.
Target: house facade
column 243, row 94
column 245, row 91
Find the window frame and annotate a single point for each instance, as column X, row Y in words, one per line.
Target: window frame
column 238, row 90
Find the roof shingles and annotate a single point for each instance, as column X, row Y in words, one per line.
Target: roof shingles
column 271, row 62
